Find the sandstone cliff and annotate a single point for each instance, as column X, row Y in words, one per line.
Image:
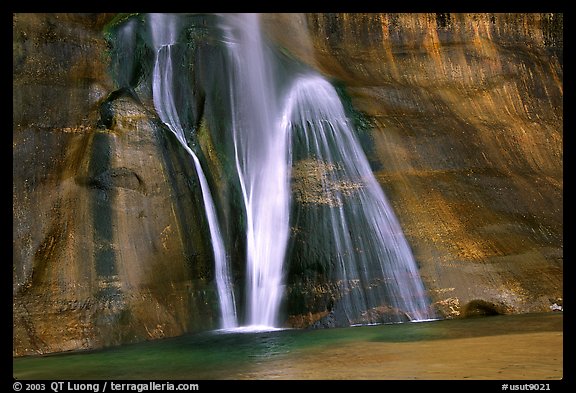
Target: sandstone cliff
column 462, row 120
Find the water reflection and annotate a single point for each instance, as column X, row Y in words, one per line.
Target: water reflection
column 251, row 341
column 527, row 346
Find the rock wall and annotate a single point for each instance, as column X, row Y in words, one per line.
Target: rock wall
column 109, row 244
column 466, row 112
column 463, row 122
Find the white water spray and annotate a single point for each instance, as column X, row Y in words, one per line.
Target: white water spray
column 263, row 165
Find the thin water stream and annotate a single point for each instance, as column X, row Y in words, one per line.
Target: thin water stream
column 165, row 30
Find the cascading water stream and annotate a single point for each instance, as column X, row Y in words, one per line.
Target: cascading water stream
column 374, row 265
column 164, row 35
column 263, row 165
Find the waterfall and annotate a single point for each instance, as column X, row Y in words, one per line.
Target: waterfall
column 273, row 127
column 164, row 36
column 262, row 163
column 300, row 168
column 373, row 263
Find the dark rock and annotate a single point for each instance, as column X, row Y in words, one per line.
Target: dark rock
column 481, row 308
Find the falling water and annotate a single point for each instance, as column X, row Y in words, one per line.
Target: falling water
column 373, row 265
column 283, row 125
column 165, row 32
column 262, row 162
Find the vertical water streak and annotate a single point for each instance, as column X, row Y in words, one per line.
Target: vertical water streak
column 262, row 162
column 164, row 36
column 373, row 265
